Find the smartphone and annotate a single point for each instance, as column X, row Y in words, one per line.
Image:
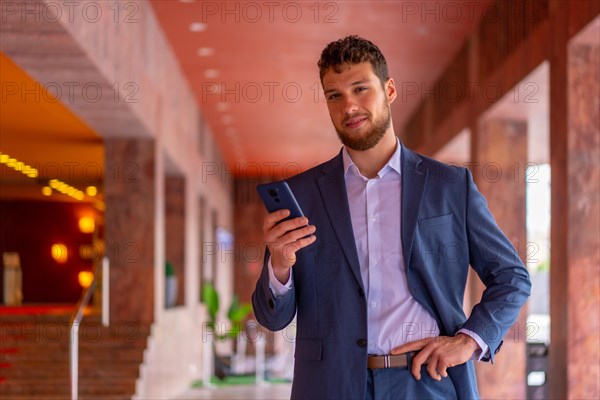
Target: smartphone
column 277, row 196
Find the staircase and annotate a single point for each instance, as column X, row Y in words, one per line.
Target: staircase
column 34, row 358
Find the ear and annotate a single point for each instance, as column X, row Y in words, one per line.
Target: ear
column 390, row 90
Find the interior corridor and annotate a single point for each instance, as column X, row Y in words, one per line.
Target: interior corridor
column 133, row 135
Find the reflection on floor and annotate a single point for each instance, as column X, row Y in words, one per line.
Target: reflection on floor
column 273, row 391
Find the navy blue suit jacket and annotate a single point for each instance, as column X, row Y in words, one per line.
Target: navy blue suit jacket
column 446, row 226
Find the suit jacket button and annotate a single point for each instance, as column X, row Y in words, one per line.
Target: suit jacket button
column 361, row 292
column 271, row 304
column 361, row 343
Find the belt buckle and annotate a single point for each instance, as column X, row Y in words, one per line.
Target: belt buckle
column 386, row 361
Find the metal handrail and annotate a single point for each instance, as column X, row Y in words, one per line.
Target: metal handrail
column 101, row 269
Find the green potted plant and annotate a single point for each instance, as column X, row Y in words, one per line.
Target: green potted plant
column 236, row 314
column 170, row 285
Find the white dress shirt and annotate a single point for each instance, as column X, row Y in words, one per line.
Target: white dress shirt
column 394, row 317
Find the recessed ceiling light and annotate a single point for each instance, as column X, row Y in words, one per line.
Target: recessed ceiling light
column 221, row 106
column 205, row 51
column 227, row 119
column 198, row 27
column 211, row 73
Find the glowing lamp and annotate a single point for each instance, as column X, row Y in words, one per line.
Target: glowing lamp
column 86, row 224
column 88, row 251
column 59, row 253
column 47, row 191
column 91, row 191
column 85, row 279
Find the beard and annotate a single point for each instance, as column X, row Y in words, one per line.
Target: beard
column 370, row 138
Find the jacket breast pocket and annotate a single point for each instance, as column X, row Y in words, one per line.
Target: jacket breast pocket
column 434, row 221
column 309, row 349
column 439, row 244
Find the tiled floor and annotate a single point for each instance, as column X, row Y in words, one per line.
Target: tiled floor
column 273, row 391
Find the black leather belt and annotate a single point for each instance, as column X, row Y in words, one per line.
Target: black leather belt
column 389, row 361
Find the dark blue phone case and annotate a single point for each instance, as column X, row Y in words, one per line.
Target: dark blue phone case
column 278, row 196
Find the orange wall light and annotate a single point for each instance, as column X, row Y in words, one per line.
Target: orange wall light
column 85, row 279
column 91, row 191
column 86, row 224
column 59, row 253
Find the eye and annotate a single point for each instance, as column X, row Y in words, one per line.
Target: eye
column 361, row 89
column 332, row 96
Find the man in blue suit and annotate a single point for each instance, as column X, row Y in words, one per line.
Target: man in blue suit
column 377, row 269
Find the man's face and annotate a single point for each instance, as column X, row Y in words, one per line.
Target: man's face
column 358, row 105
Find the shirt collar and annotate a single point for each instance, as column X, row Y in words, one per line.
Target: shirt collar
column 393, row 163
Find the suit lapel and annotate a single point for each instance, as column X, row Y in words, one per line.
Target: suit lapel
column 414, row 179
column 333, row 192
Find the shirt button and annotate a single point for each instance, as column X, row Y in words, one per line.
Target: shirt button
column 373, row 304
column 373, row 261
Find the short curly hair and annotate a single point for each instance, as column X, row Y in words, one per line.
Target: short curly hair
column 352, row 50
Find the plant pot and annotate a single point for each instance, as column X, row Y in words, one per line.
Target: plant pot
column 170, row 291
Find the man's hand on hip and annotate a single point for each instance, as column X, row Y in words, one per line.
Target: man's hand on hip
column 442, row 352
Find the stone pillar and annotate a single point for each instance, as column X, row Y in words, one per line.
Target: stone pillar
column 581, row 239
column 175, row 230
column 557, row 351
column 129, row 228
column 249, row 213
column 574, row 372
column 201, row 241
column 500, row 151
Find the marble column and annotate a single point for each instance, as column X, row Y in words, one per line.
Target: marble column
column 582, row 237
column 557, row 351
column 499, row 148
column 175, row 230
column 574, row 371
column 129, row 228
column 249, row 213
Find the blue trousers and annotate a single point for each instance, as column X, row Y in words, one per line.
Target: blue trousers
column 399, row 384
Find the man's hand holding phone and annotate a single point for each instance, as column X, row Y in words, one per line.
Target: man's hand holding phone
column 284, row 239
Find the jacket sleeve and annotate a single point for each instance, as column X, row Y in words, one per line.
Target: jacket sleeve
column 506, row 280
column 274, row 313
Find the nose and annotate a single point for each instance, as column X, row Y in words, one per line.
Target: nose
column 349, row 106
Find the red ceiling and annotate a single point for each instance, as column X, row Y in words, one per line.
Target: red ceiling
column 265, row 55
